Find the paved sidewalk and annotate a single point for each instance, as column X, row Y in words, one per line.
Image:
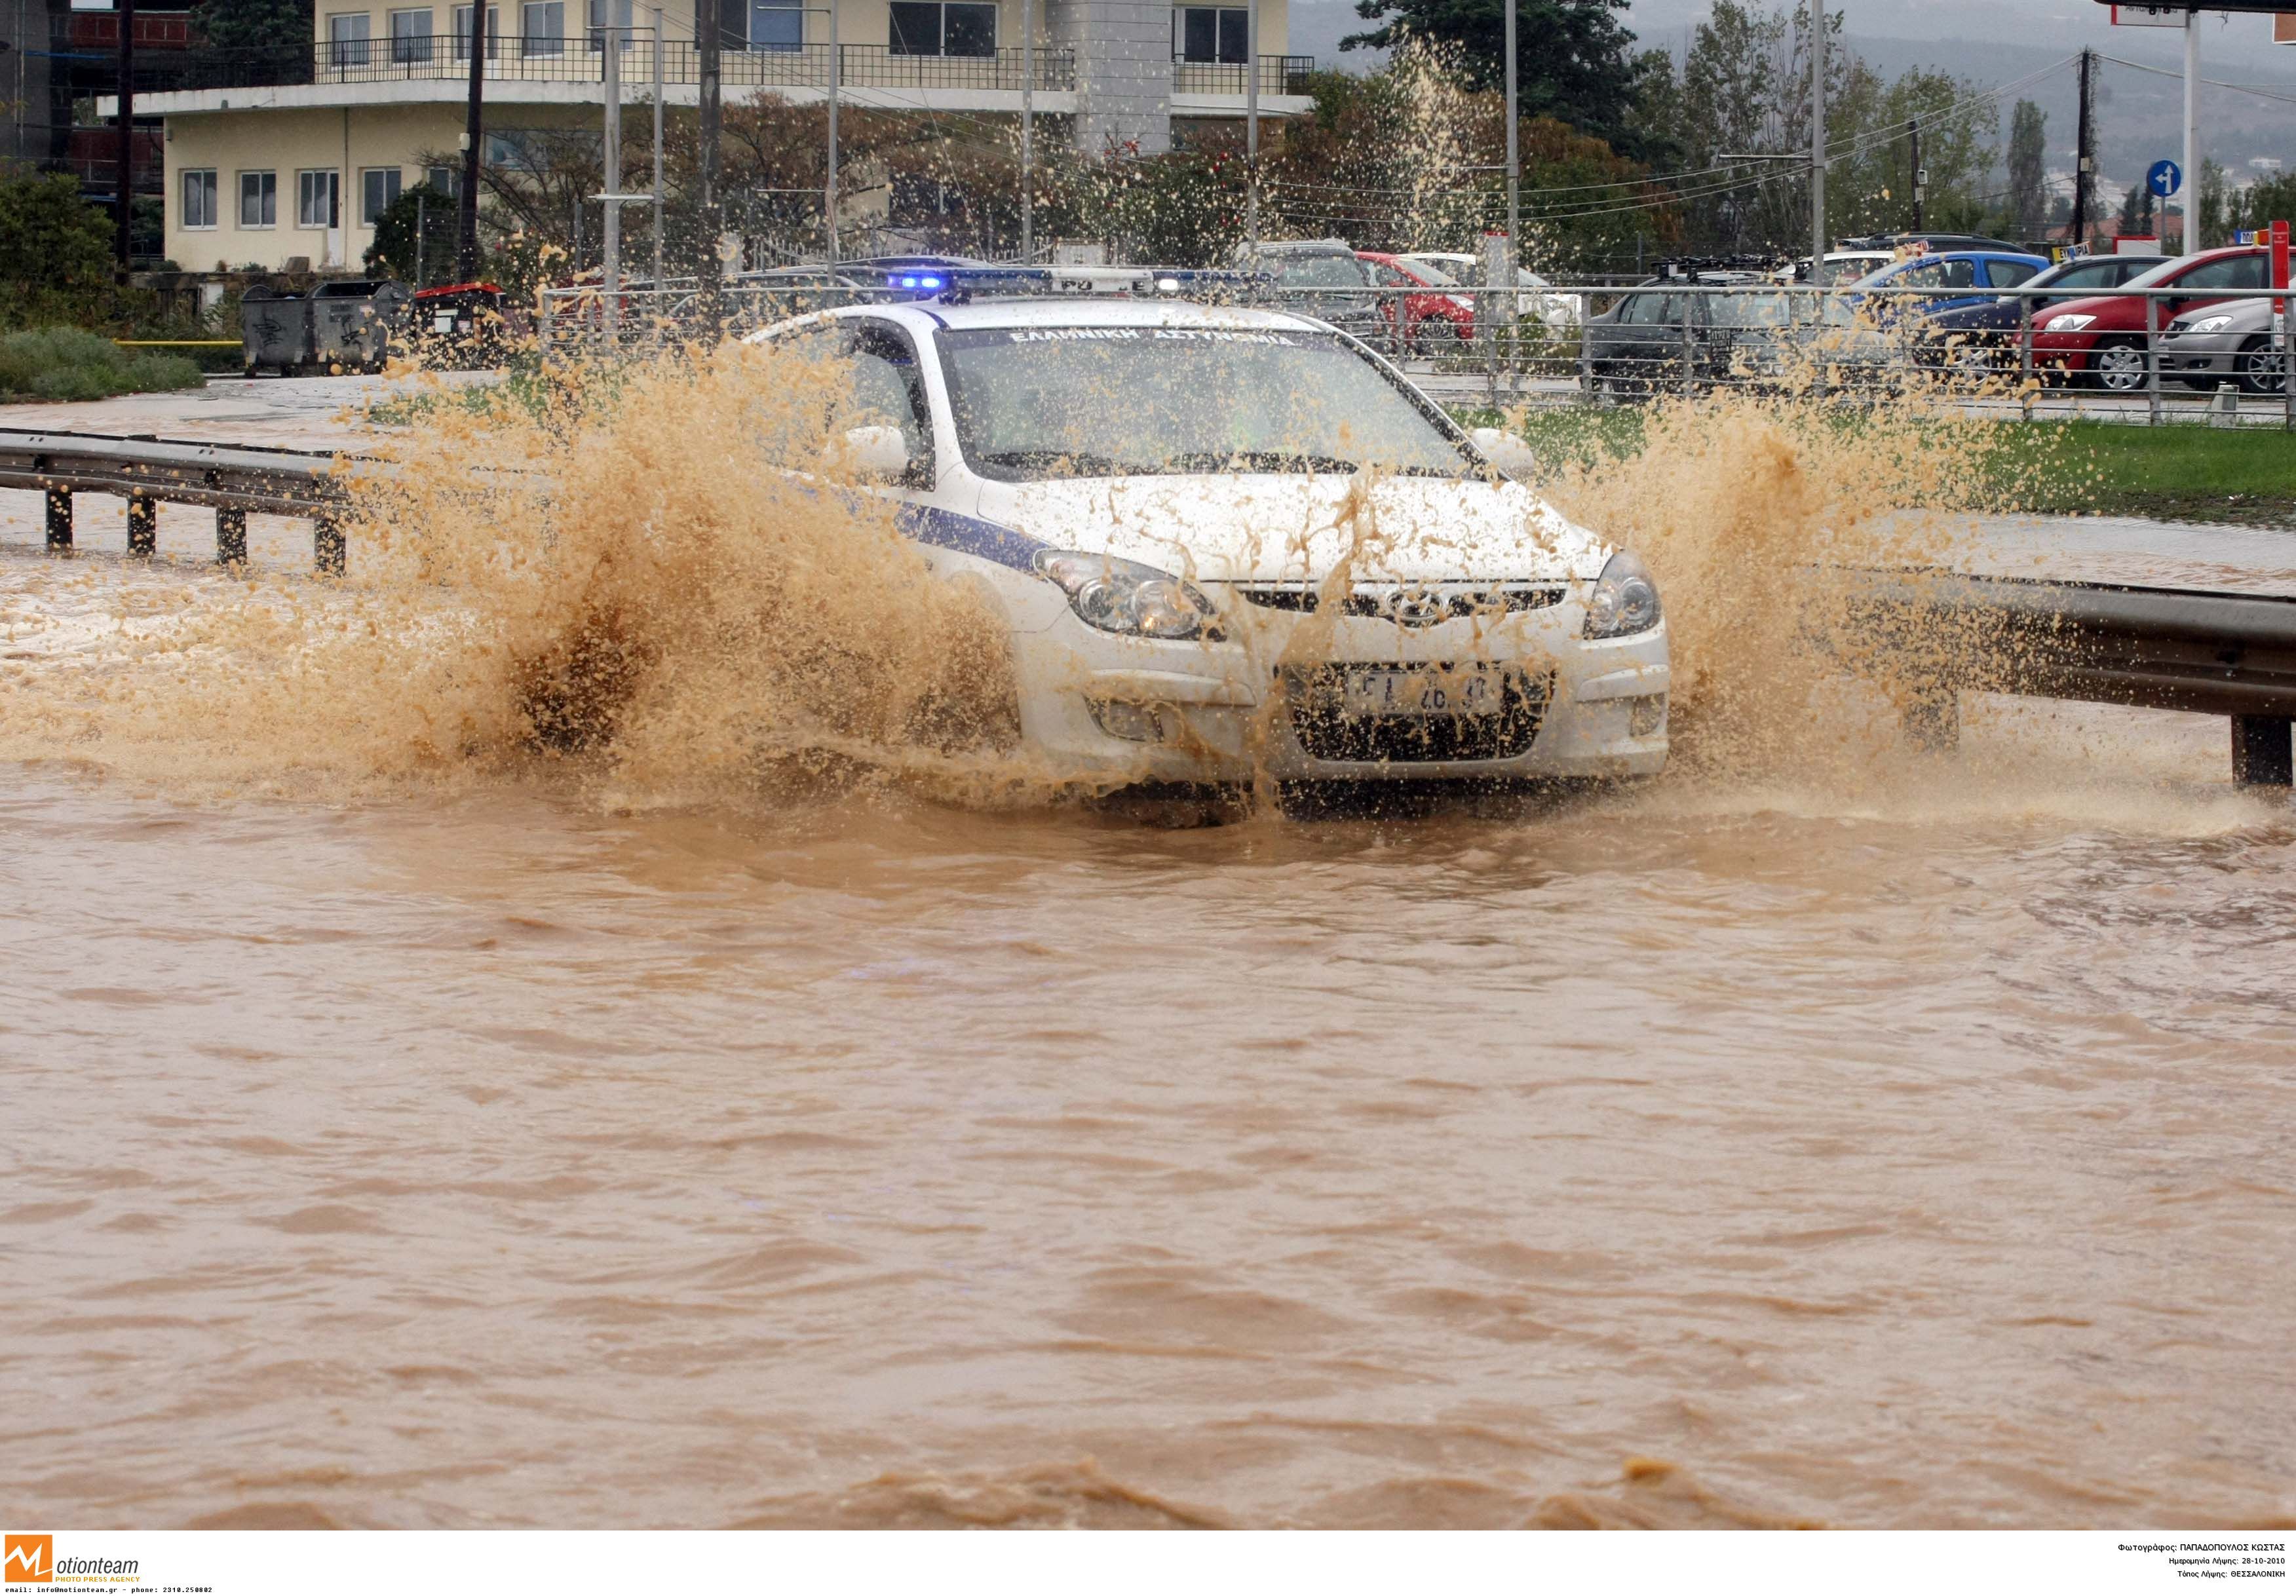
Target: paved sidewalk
column 287, row 412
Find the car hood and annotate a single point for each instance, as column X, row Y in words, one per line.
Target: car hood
column 2248, row 315
column 2111, row 310
column 1299, row 527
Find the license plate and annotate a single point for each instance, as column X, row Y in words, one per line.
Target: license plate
column 1458, row 690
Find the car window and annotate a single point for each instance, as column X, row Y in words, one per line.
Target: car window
column 1938, row 273
column 1642, row 310
column 1387, row 276
column 1319, row 271
column 1429, row 272
column 2234, row 271
column 1748, row 310
column 2099, row 273
column 2008, row 274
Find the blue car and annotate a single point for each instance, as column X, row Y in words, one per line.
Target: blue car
column 1969, row 277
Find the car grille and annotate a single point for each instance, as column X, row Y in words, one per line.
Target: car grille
column 1326, row 731
column 1413, row 607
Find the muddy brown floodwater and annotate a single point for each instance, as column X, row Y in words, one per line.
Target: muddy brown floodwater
column 1665, row 1160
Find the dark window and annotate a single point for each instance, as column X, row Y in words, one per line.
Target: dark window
column 1319, row 271
column 2009, row 274
column 942, row 29
column 2234, row 271
column 776, row 27
column 1212, row 33
column 2105, row 273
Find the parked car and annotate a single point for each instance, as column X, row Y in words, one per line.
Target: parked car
column 2101, row 340
column 1324, row 279
column 2239, row 340
column 1842, row 265
column 1760, row 336
column 1426, row 321
column 1536, row 299
column 1983, row 334
column 1956, row 280
column 1148, row 496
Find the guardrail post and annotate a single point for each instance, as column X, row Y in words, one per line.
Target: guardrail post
column 60, row 520
column 2151, row 360
column 2288, row 364
column 231, row 537
column 1688, row 387
column 2025, row 346
column 327, row 546
column 2264, row 750
column 143, row 525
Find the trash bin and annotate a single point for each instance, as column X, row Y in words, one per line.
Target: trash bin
column 354, row 322
column 459, row 327
column 274, row 331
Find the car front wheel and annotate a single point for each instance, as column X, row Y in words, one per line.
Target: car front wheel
column 2119, row 367
column 2263, row 369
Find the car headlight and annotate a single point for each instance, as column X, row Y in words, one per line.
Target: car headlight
column 2206, row 323
column 1625, row 600
column 1122, row 595
column 2066, row 324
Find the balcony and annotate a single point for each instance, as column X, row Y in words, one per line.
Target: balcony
column 441, row 58
column 1278, row 75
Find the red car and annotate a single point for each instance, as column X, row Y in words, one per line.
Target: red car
column 1432, row 321
column 2101, row 340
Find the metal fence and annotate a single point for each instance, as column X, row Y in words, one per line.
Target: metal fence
column 2220, row 356
column 553, row 58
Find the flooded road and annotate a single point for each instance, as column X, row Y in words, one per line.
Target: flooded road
column 1658, row 1161
column 1904, row 1142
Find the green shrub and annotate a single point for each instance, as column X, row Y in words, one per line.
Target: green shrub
column 64, row 363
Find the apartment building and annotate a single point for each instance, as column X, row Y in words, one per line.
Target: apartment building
column 300, row 159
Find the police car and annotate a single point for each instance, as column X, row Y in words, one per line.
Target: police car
column 1228, row 543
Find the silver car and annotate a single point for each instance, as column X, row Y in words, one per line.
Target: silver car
column 2242, row 340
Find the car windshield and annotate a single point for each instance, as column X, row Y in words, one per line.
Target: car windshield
column 1749, row 310
column 1427, row 271
column 1031, row 403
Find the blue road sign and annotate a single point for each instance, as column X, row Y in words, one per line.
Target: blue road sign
column 2165, row 178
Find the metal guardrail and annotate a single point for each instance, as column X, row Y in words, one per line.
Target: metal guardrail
column 148, row 470
column 2209, row 653
column 2205, row 653
column 1559, row 344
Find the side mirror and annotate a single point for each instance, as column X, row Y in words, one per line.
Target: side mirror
column 1509, row 453
column 876, row 452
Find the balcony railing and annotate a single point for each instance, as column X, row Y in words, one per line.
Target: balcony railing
column 438, row 57
column 1278, row 75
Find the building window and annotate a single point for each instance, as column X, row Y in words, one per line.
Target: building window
column 938, row 30
column 544, row 26
column 347, row 38
column 259, row 198
column 199, row 198
column 319, row 199
column 410, row 35
column 463, row 32
column 444, row 180
column 378, row 187
column 600, row 23
column 1210, row 33
column 776, row 27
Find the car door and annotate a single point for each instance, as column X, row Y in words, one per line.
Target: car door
column 2214, row 280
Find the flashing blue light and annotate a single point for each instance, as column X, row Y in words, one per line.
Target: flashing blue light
column 932, row 283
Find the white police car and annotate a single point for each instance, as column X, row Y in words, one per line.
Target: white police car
column 1232, row 542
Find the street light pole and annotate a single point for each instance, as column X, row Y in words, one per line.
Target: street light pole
column 611, row 272
column 2188, row 196
column 829, row 195
column 660, row 42
column 1028, row 132
column 1513, row 158
column 1817, row 143
column 124, row 162
column 466, row 231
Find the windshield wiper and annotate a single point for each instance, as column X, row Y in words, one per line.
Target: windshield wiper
column 1277, row 460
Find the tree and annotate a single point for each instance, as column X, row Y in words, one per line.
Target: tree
column 415, row 237
column 55, row 253
column 2029, row 200
column 1572, row 60
column 280, row 29
column 2136, row 211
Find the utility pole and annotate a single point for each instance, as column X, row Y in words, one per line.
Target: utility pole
column 661, row 43
column 829, row 195
column 466, row 231
column 124, row 163
column 2188, row 196
column 1029, row 131
column 1251, row 129
column 1513, row 158
column 2084, row 161
column 611, row 261
column 707, row 42
column 1817, row 143
column 1920, row 178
